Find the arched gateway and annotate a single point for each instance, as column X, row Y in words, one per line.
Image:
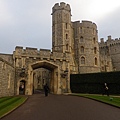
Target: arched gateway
column 29, row 64
column 27, row 86
column 55, row 76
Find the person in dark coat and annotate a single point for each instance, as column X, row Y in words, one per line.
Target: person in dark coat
column 106, row 89
column 46, row 89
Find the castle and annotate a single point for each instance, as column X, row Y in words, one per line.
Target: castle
column 75, row 50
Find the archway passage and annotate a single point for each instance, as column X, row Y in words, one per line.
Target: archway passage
column 55, row 76
column 41, row 76
column 22, row 87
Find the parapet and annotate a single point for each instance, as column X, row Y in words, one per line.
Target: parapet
column 76, row 23
column 109, row 37
column 109, row 41
column 61, row 6
column 88, row 24
column 102, row 40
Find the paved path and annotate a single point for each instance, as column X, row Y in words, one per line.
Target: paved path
column 60, row 107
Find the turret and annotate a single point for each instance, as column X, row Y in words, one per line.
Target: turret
column 61, row 27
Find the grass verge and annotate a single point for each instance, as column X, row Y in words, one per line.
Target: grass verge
column 8, row 104
column 111, row 100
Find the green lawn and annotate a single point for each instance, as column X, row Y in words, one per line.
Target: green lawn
column 112, row 100
column 7, row 104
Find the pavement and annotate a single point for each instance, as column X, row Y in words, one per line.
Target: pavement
column 63, row 107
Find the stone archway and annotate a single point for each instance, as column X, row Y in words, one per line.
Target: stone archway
column 55, row 81
column 21, row 87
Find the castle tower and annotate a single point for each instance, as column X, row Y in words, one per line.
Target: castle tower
column 62, row 34
column 61, row 28
column 86, row 46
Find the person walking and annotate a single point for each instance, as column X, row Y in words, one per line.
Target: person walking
column 46, row 89
column 106, row 89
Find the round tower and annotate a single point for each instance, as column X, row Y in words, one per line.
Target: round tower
column 86, row 46
column 61, row 27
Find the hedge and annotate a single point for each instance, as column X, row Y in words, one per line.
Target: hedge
column 93, row 83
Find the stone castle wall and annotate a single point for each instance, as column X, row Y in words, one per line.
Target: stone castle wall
column 7, row 57
column 7, row 78
column 110, row 49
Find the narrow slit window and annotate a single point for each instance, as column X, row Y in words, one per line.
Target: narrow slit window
column 95, row 61
column 66, row 36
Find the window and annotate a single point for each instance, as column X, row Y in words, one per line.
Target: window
column 82, row 49
column 95, row 50
column 66, row 36
column 81, row 39
column 95, row 61
column 66, row 26
column 82, row 60
column 94, row 40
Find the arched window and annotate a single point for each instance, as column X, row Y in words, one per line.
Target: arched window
column 95, row 61
column 82, row 49
column 81, row 39
column 82, row 60
column 95, row 50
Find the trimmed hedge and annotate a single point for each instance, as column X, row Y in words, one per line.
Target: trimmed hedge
column 93, row 83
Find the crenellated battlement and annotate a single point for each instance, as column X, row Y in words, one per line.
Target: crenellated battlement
column 109, row 41
column 34, row 52
column 87, row 24
column 61, row 6
column 30, row 51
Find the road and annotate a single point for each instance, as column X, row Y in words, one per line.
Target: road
column 63, row 107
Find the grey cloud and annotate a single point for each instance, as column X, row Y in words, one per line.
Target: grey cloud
column 110, row 25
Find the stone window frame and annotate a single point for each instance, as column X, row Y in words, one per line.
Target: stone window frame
column 66, row 36
column 82, row 60
column 94, row 40
column 96, row 61
column 82, row 49
column 81, row 39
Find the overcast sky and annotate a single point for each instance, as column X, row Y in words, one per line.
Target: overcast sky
column 28, row 23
